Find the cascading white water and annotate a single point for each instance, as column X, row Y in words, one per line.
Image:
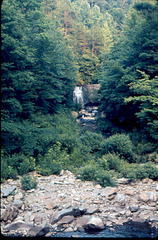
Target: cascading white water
column 78, row 95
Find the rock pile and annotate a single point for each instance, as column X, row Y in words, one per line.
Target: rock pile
column 64, row 203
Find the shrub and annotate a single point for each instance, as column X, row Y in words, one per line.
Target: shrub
column 103, row 163
column 151, row 170
column 23, row 164
column 88, row 172
column 4, row 168
column 92, row 140
column 145, row 148
column 12, row 173
column 121, row 145
column 27, row 182
column 113, row 161
column 27, row 165
column 95, row 173
column 54, row 160
column 7, row 171
column 104, row 178
column 137, row 171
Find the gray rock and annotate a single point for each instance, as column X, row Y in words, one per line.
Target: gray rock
column 95, row 223
column 10, row 198
column 143, row 197
column 133, row 208
column 108, row 191
column 15, row 226
column 27, row 216
column 92, row 210
column 66, row 219
column 10, row 213
column 8, row 191
column 37, row 231
column 138, row 222
column 154, row 218
column 120, row 197
column 81, row 222
column 152, row 196
column 18, row 196
column 18, row 203
column 38, row 219
column 74, row 211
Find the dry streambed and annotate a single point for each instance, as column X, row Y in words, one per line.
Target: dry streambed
column 64, row 203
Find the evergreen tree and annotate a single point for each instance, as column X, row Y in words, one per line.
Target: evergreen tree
column 38, row 73
column 136, row 50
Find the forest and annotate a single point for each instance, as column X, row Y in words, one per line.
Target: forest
column 50, row 46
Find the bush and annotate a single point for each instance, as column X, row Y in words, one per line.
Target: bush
column 27, row 182
column 104, row 178
column 4, row 168
column 121, row 145
column 151, row 170
column 137, row 171
column 88, row 172
column 92, row 140
column 54, row 160
column 113, row 161
column 96, row 174
column 103, row 163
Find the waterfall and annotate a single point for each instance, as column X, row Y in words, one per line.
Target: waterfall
column 78, row 95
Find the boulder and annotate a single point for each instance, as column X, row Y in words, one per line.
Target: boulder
column 38, row 219
column 108, row 191
column 81, row 222
column 129, row 192
column 133, row 208
column 120, row 197
column 92, row 210
column 10, row 198
column 95, row 223
column 74, row 211
column 18, row 196
column 138, row 222
column 17, row 225
column 18, row 203
column 66, row 219
column 10, row 213
column 37, row 231
column 51, row 205
column 154, row 218
column 152, row 196
column 143, row 197
column 8, row 191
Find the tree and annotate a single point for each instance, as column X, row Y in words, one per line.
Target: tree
column 136, row 50
column 38, row 73
column 145, row 92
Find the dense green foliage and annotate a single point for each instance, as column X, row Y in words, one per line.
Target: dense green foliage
column 121, row 145
column 49, row 46
column 129, row 86
column 38, row 73
column 90, row 27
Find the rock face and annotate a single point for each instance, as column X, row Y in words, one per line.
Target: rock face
column 64, row 203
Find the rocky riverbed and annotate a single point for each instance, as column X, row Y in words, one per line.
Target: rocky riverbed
column 66, row 204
